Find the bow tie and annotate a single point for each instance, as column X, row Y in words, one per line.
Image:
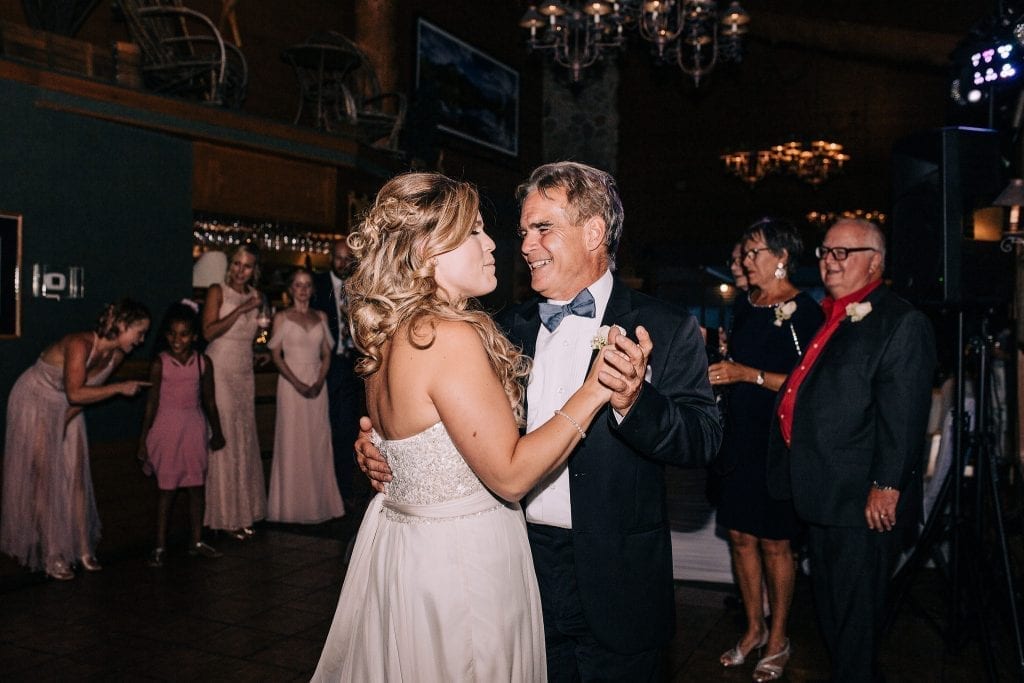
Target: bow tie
column 551, row 314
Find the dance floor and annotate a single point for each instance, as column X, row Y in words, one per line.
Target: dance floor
column 261, row 612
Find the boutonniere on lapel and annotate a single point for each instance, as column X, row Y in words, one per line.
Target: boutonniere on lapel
column 858, row 311
column 784, row 312
column 601, row 338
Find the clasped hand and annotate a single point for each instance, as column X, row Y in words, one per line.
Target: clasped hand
column 624, row 368
column 311, row 390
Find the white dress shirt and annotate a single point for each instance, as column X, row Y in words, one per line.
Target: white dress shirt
column 560, row 365
column 339, row 294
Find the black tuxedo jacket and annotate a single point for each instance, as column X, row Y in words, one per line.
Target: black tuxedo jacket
column 860, row 416
column 617, row 483
column 324, row 300
column 341, row 372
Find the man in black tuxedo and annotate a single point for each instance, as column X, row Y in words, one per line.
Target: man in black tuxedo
column 598, row 527
column 847, row 441
column 344, row 387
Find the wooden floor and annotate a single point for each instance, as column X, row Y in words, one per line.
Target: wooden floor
column 261, row 612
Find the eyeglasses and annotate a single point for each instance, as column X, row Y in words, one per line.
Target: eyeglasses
column 734, row 261
column 752, row 254
column 839, row 253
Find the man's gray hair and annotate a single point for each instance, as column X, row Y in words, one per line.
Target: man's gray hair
column 590, row 192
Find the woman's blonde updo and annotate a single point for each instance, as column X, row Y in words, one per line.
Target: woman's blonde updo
column 415, row 218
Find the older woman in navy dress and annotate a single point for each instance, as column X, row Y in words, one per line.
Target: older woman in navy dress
column 771, row 329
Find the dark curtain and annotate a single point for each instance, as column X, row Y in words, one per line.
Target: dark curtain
column 58, row 16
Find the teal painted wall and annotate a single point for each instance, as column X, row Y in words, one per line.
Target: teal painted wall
column 113, row 199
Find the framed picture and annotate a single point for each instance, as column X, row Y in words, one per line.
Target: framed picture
column 10, row 276
column 476, row 96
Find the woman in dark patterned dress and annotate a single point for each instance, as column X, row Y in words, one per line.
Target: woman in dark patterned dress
column 770, row 333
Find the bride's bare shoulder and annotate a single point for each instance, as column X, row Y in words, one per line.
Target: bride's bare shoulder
column 431, row 333
column 456, row 335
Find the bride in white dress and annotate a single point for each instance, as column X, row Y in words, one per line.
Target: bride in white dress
column 441, row 585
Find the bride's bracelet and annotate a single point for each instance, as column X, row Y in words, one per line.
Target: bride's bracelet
column 575, row 424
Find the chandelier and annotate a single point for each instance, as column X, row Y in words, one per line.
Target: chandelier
column 690, row 32
column 824, row 219
column 576, row 34
column 813, row 164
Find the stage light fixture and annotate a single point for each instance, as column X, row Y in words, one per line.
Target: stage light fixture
column 990, row 58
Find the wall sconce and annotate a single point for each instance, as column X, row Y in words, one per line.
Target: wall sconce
column 1012, row 197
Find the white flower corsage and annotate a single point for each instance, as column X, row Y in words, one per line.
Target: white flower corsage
column 858, row 311
column 601, row 338
column 784, row 312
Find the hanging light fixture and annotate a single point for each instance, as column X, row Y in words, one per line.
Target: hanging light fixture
column 693, row 33
column 576, row 34
column 824, row 219
column 690, row 32
column 814, row 163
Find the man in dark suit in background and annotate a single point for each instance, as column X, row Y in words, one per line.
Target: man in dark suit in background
column 847, row 442
column 597, row 526
column 344, row 388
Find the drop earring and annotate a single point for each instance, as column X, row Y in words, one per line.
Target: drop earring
column 780, row 271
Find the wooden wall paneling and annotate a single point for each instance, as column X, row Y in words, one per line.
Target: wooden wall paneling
column 244, row 183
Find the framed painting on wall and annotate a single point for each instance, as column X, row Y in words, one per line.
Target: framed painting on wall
column 10, row 276
column 476, row 96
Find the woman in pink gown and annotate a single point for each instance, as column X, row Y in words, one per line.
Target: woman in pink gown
column 302, row 484
column 49, row 518
column 235, row 493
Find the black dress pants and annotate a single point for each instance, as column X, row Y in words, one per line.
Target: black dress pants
column 850, row 571
column 345, row 400
column 572, row 651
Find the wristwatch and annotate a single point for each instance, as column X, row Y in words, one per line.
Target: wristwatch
column 760, row 378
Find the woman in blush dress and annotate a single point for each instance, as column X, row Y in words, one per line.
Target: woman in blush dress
column 49, row 518
column 441, row 584
column 235, row 493
column 770, row 332
column 302, row 485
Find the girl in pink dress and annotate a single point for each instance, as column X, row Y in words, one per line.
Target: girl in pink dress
column 173, row 444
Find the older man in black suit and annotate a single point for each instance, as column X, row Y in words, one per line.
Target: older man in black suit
column 847, row 443
column 344, row 387
column 598, row 527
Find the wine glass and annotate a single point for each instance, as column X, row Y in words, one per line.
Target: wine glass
column 264, row 315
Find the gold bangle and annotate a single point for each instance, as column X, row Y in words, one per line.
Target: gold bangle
column 575, row 424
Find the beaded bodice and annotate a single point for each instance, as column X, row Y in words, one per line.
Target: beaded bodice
column 427, row 468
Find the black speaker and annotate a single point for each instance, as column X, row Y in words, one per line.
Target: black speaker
column 940, row 178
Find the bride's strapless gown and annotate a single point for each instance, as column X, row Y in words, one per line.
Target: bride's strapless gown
column 440, row 586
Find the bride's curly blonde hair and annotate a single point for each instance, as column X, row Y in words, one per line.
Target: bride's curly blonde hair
column 415, row 218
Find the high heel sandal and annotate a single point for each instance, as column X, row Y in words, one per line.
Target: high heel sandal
column 156, row 558
column 200, row 549
column 90, row 564
column 59, row 570
column 736, row 656
column 767, row 670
